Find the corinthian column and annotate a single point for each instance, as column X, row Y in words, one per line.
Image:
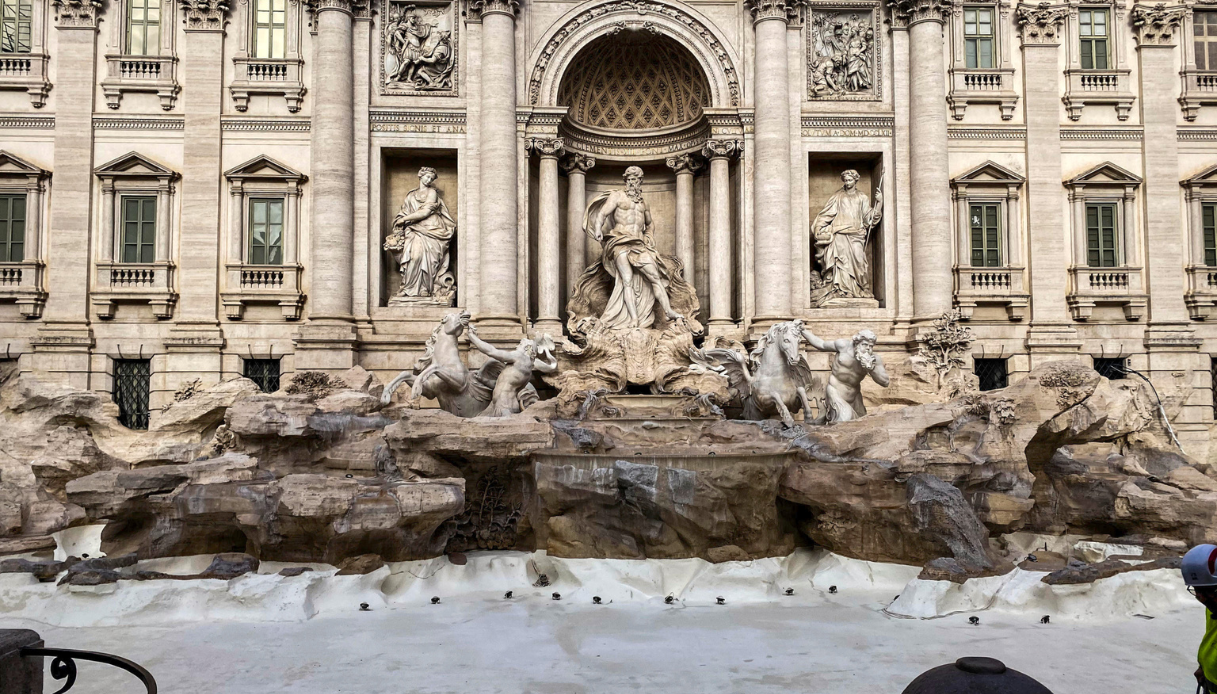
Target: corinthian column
column 684, row 166
column 719, row 152
column 771, row 202
column 929, row 187
column 576, row 167
column 327, row 342
column 549, row 235
column 499, row 290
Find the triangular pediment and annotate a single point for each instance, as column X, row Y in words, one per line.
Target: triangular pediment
column 1105, row 173
column 1207, row 176
column 12, row 165
column 263, row 166
column 989, row 172
column 134, row 164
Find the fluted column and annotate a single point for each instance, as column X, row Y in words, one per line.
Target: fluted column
column 719, row 152
column 771, row 180
column 549, row 235
column 576, row 167
column 933, row 285
column 499, row 177
column 685, row 166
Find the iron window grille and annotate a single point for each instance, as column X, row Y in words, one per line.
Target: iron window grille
column 264, row 372
column 1111, row 369
column 132, row 384
column 991, row 373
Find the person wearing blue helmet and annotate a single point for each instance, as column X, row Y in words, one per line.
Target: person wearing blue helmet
column 1200, row 574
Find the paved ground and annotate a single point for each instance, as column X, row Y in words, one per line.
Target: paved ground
column 483, row 645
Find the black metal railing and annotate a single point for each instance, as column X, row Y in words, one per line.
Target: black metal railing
column 63, row 667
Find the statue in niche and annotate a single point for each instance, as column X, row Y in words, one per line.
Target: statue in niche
column 418, row 48
column 513, row 389
column 842, row 54
column 632, row 285
column 855, row 360
column 840, row 233
column 421, row 233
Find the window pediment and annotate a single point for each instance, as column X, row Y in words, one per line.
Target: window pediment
column 1105, row 174
column 135, row 165
column 989, row 173
column 14, row 166
column 264, row 168
column 1206, row 178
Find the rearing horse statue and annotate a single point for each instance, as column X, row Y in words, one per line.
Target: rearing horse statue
column 774, row 379
column 440, row 373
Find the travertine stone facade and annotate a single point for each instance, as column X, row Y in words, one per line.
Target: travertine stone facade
column 208, row 183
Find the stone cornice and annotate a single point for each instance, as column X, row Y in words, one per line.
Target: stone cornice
column 76, row 14
column 204, row 15
column 1155, row 25
column 722, row 149
column 481, row 8
column 683, row 163
column 578, row 163
column 910, row 12
column 546, row 147
column 1041, row 24
column 784, row 10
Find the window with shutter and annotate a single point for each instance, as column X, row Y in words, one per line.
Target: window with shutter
column 1101, row 246
column 266, row 231
column 139, row 229
column 985, row 221
column 12, row 228
column 1093, row 33
column 978, row 36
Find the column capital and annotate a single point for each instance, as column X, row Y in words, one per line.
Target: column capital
column 1040, row 24
column 1155, row 25
column 76, row 14
column 352, row 7
column 784, row 10
column 684, row 163
column 204, row 15
column 481, row 8
column 546, row 148
column 910, row 12
column 722, row 149
column 577, row 163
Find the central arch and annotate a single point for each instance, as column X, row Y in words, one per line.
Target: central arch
column 585, row 24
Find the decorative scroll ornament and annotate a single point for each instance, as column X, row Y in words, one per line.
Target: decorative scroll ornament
column 1040, row 23
column 714, row 149
column 204, row 15
column 578, row 163
column 77, row 13
column 784, row 10
column 683, row 163
column 481, row 8
column 1156, row 25
column 546, row 147
column 908, row 12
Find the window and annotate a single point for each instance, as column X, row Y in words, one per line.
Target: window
column 1112, row 369
column 978, row 36
column 270, row 28
column 1205, row 24
column 16, row 20
column 132, row 383
column 12, row 228
column 143, row 27
column 266, row 231
column 139, row 229
column 1092, row 28
column 1101, row 250
column 1213, row 372
column 1208, row 213
column 985, row 220
column 991, row 373
column 264, row 372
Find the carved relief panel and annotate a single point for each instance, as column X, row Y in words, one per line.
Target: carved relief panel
column 418, row 49
column 844, row 52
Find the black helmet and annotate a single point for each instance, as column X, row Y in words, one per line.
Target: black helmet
column 974, row 676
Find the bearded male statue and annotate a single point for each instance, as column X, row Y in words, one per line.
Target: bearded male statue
column 855, row 359
column 632, row 285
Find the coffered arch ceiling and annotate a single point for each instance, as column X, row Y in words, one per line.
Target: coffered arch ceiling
column 634, row 80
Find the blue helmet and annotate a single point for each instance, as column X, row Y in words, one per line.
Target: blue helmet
column 1200, row 566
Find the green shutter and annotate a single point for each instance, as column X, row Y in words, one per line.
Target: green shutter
column 266, row 231
column 15, row 252
column 139, row 229
column 1210, row 234
column 985, row 221
column 1102, row 239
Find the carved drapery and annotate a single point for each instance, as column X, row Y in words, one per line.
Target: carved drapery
column 204, row 15
column 1155, row 25
column 1041, row 24
column 76, row 13
column 909, row 12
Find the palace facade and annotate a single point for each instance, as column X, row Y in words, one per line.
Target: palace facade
column 197, row 190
